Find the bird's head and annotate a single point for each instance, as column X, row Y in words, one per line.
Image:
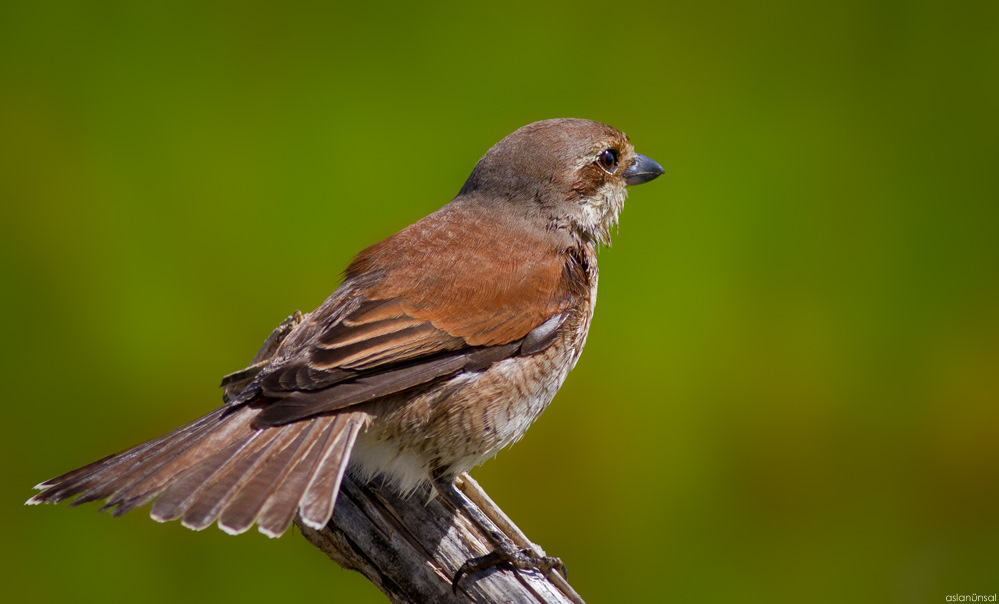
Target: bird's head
column 572, row 173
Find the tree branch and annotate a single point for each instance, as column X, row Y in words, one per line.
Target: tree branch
column 410, row 548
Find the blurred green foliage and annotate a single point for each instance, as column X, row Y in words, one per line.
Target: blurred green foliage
column 790, row 389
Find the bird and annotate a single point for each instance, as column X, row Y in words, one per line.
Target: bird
column 440, row 347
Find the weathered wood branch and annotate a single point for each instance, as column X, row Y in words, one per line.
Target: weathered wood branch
column 410, row 548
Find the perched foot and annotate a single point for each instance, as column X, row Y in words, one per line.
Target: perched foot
column 509, row 558
column 506, row 554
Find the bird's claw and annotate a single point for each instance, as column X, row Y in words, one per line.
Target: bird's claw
column 513, row 559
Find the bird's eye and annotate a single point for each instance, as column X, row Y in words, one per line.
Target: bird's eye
column 608, row 160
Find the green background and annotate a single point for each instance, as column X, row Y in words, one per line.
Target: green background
column 791, row 387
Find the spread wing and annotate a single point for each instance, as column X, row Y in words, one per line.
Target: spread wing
column 422, row 305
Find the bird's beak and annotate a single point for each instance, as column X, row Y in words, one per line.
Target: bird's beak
column 642, row 170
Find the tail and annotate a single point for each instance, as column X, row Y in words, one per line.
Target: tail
column 221, row 468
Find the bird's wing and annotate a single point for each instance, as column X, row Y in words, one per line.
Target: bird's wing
column 413, row 318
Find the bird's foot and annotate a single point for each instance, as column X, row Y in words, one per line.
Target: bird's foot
column 509, row 557
column 506, row 554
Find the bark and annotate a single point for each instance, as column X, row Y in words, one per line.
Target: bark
column 410, row 548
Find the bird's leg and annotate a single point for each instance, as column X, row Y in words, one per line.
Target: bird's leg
column 506, row 553
column 508, row 558
column 470, row 488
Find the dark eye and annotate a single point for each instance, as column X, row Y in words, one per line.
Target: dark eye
column 608, row 160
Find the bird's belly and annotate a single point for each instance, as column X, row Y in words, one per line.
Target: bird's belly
column 445, row 431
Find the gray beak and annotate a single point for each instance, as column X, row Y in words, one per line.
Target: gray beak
column 642, row 170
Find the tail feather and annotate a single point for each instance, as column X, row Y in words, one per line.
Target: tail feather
column 228, row 480
column 74, row 474
column 83, row 479
column 245, row 507
column 281, row 506
column 185, row 487
column 316, row 507
column 153, row 472
column 221, row 468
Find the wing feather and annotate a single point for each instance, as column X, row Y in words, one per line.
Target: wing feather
column 413, row 318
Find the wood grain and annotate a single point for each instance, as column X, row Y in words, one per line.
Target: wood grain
column 410, row 548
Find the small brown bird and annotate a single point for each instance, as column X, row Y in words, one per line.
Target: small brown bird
column 441, row 346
